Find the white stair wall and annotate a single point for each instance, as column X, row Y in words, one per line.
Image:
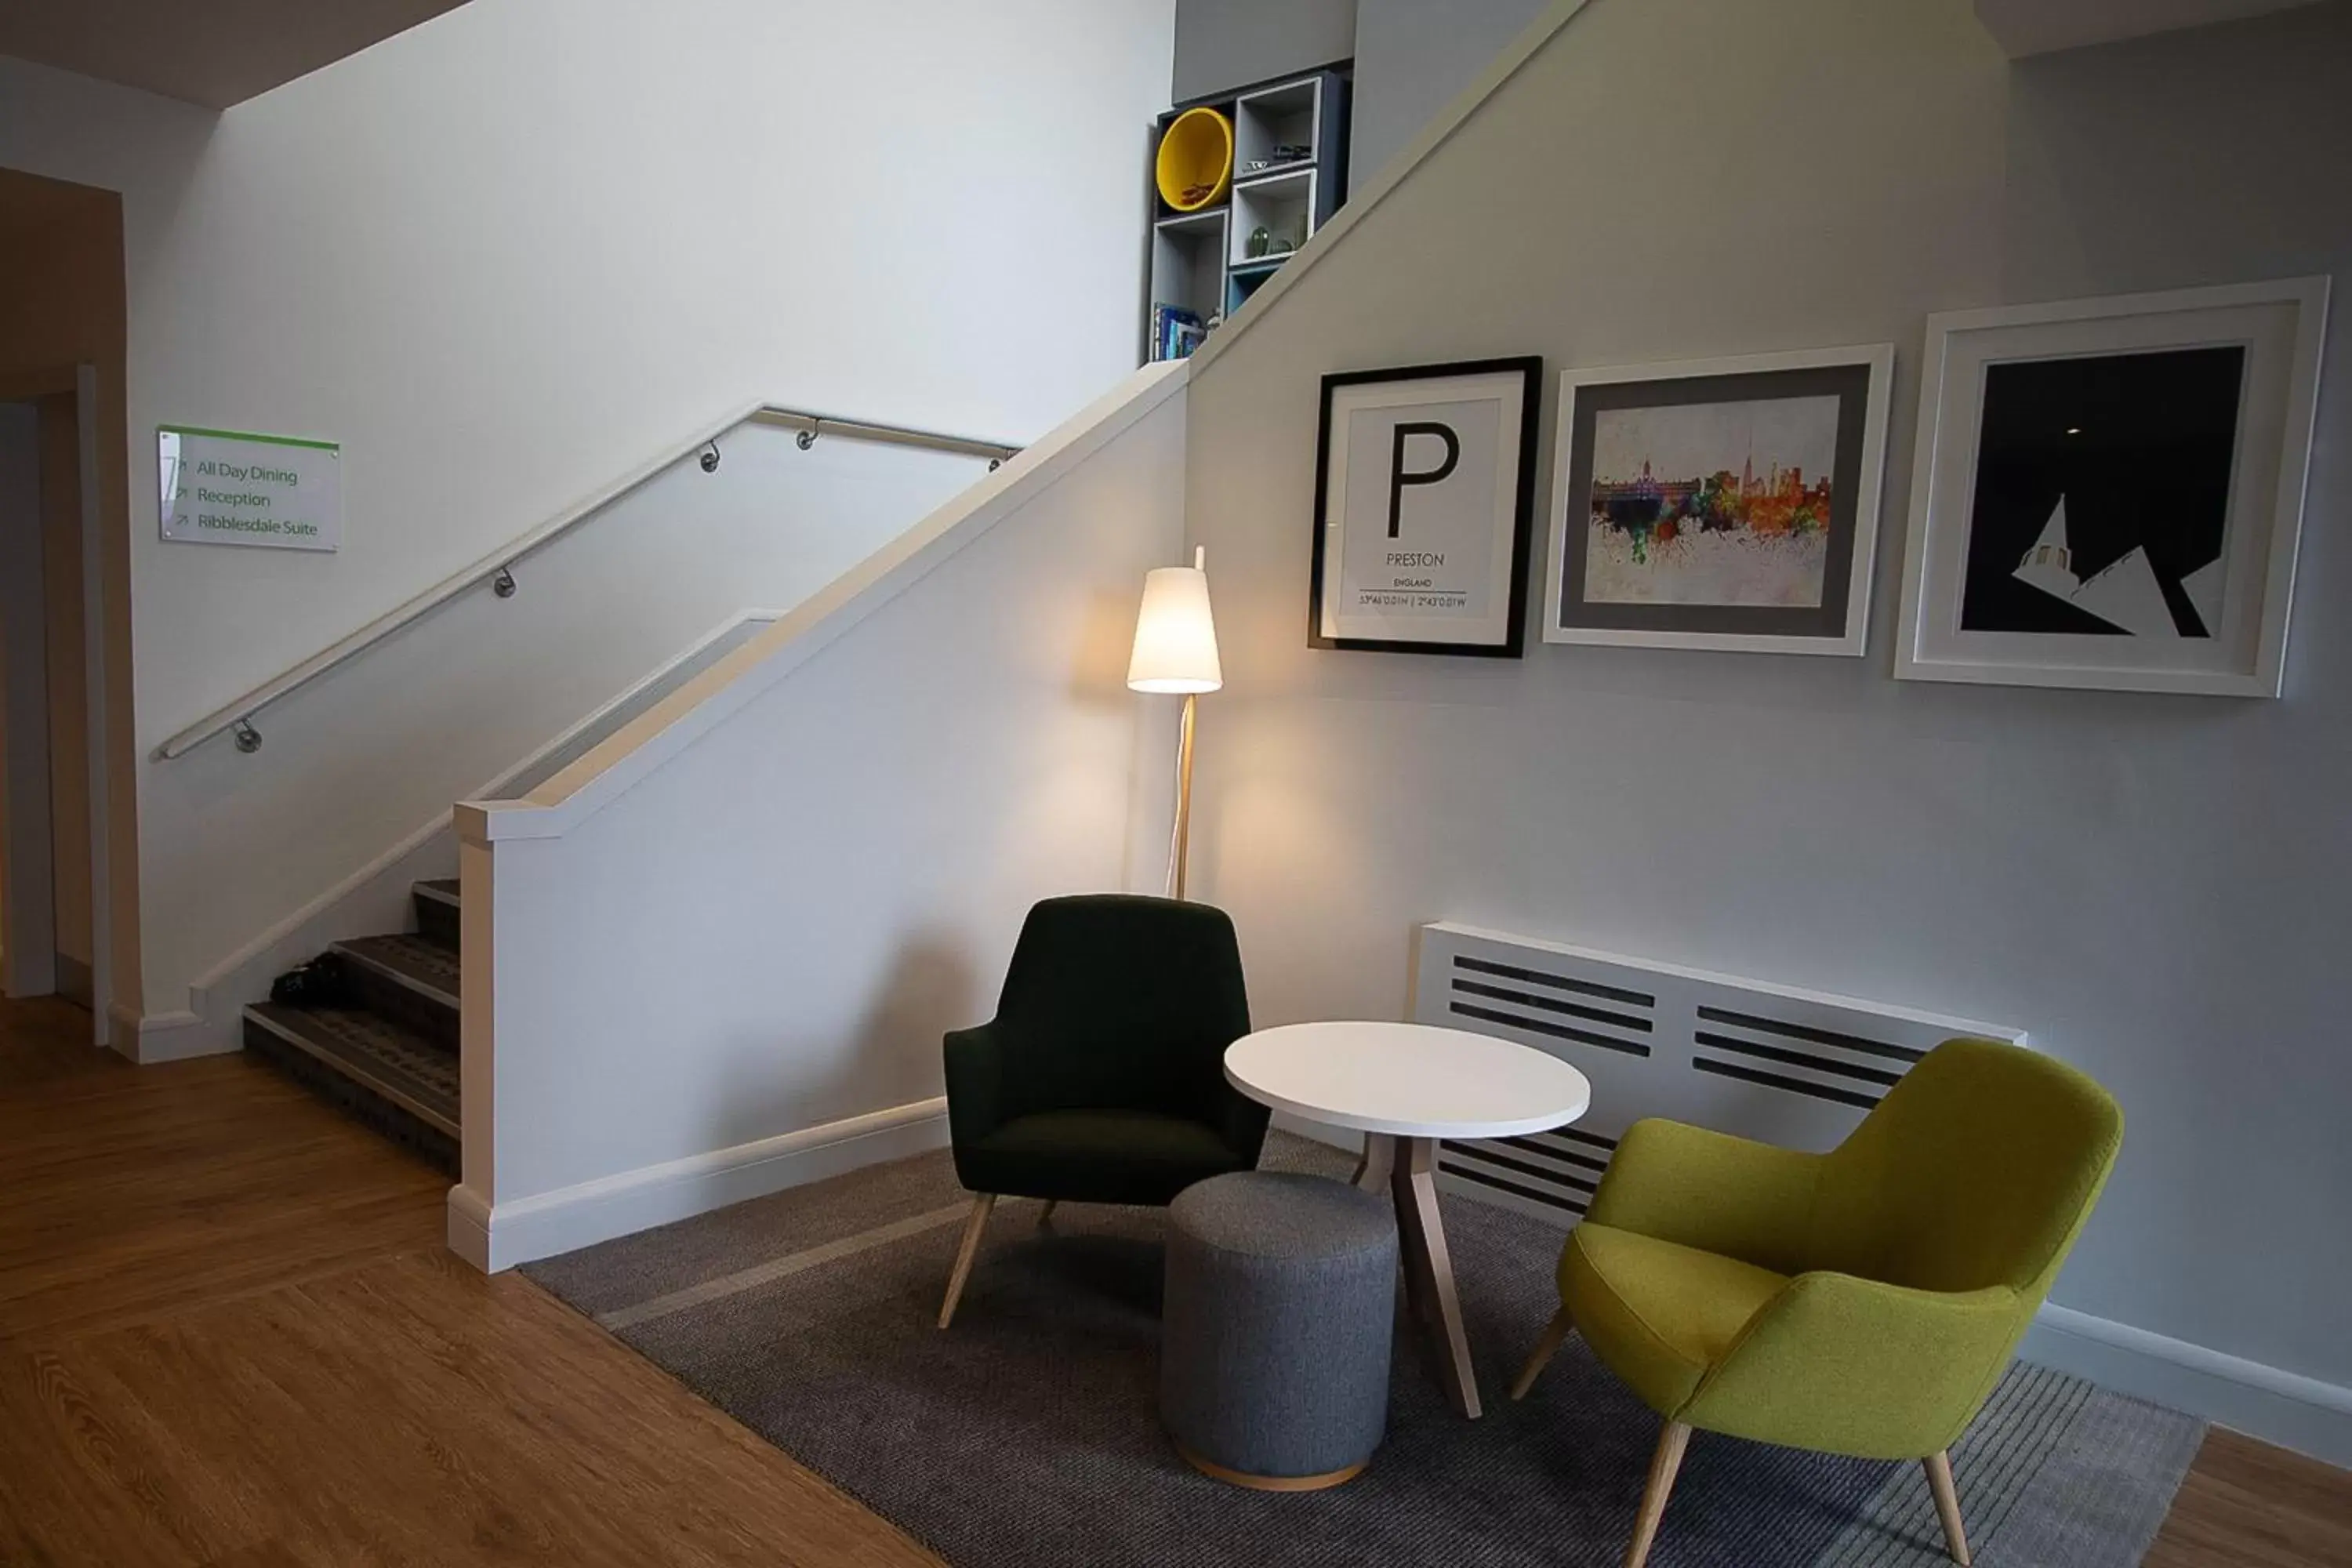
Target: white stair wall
column 716, row 954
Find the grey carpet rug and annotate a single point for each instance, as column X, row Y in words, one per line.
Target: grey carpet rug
column 1027, row 1434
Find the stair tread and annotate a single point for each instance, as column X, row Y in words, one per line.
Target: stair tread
column 423, row 964
column 410, row 1069
column 442, row 887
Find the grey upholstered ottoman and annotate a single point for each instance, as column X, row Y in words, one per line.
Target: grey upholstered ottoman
column 1274, row 1357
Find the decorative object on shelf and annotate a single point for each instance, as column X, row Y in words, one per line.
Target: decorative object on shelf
column 1289, row 152
column 1195, row 166
column 1726, row 503
column 1260, row 241
column 1175, row 652
column 1424, row 494
column 2109, row 492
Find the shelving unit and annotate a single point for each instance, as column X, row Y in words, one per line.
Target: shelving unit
column 1290, row 140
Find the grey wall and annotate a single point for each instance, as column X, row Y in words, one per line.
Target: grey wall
column 2156, row 886
column 1413, row 56
column 1226, row 44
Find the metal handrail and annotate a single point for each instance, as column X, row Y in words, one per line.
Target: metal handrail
column 496, row 568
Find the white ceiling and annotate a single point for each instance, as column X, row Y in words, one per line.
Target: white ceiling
column 212, row 52
column 2037, row 27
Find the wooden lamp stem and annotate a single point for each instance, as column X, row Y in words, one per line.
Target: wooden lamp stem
column 1179, row 847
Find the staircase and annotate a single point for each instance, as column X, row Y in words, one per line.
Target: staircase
column 372, row 1026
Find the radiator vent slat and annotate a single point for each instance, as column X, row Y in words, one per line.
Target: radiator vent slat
column 1534, row 1144
column 1812, row 1059
column 1572, row 1207
column 1793, row 1084
column 1757, row 1059
column 1819, row 1036
column 1583, row 1182
column 1558, row 982
column 1552, row 1005
column 1546, row 1026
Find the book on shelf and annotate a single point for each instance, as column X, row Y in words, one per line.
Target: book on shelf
column 1175, row 331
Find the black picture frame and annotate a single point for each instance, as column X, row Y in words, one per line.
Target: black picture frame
column 1512, row 645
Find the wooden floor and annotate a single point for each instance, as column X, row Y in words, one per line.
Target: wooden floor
column 230, row 1336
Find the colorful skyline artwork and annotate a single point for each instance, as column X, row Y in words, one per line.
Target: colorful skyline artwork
column 1711, row 503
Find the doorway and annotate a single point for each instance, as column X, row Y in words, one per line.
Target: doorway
column 69, row 896
column 49, row 853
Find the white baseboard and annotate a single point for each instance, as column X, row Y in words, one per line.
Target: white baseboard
column 494, row 1236
column 163, row 1037
column 2277, row 1406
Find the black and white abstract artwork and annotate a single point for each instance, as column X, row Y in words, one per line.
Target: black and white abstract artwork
column 2109, row 492
column 2102, row 494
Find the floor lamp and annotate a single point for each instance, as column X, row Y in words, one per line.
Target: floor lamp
column 1176, row 653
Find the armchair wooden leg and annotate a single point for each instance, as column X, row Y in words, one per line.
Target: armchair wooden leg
column 1555, row 1335
column 981, row 1203
column 1947, row 1504
column 1047, row 1212
column 1663, row 1466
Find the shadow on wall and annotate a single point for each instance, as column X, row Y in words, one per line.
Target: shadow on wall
column 930, row 988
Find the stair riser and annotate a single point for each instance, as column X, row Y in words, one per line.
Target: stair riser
column 426, row 1142
column 403, row 1003
column 436, row 919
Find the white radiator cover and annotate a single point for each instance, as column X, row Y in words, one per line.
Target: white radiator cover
column 1786, row 1065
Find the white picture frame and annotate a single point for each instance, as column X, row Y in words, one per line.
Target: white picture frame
column 1958, row 483
column 1837, row 621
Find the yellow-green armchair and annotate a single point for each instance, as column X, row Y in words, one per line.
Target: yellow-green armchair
column 1864, row 1302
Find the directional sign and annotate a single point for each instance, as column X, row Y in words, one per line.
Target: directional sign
column 226, row 487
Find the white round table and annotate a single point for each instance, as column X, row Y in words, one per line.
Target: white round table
column 1405, row 1087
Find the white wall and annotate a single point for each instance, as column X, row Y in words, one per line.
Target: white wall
column 2155, row 886
column 508, row 255
column 752, row 952
column 367, row 757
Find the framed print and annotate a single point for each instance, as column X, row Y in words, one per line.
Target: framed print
column 1424, row 494
column 2107, row 493
column 1728, row 503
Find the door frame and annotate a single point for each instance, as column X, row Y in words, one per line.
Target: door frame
column 94, row 706
column 28, row 963
column 81, row 381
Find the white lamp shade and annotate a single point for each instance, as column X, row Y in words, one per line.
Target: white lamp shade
column 1175, row 636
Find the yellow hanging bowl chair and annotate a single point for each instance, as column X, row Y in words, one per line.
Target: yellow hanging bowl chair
column 1195, row 167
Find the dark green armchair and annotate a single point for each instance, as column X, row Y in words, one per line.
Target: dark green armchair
column 1101, row 1078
